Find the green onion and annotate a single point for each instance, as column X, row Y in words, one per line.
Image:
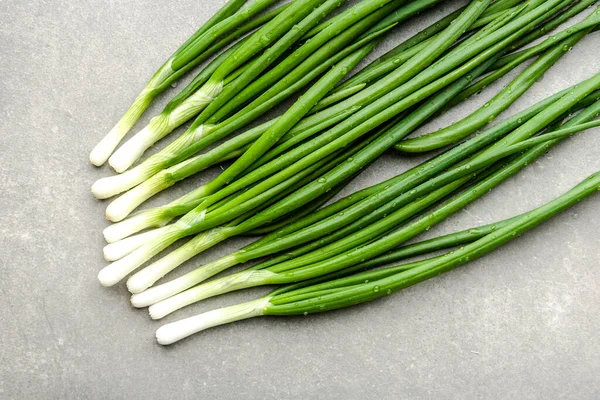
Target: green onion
column 562, row 16
column 365, row 287
column 333, row 254
column 362, row 116
column 502, row 100
column 508, row 63
column 189, row 168
column 283, row 173
column 313, row 64
column 196, row 220
column 251, row 220
column 401, row 53
column 194, row 51
column 407, row 125
column 159, row 216
column 392, row 195
column 278, row 31
column 318, row 90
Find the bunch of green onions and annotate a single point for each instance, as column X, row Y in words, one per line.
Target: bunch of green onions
column 284, row 172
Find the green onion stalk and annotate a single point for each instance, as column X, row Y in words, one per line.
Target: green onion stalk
column 360, row 288
column 155, row 271
column 418, row 42
column 119, row 269
column 290, row 224
column 134, row 242
column 509, row 62
column 143, row 220
column 397, row 193
column 199, row 221
column 218, row 32
column 318, row 90
column 377, row 98
column 153, row 185
column 108, row 186
column 354, row 15
column 305, row 65
column 332, row 256
column 409, row 48
column 117, row 250
column 301, row 14
column 574, row 9
column 457, row 131
column 423, row 39
column 152, row 273
column 390, row 61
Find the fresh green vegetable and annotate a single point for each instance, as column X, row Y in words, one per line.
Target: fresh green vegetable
column 372, row 209
column 368, row 117
column 360, row 288
column 301, row 14
column 282, row 174
column 312, row 65
column 196, row 220
column 507, row 96
column 194, row 51
column 339, row 254
column 406, row 125
column 384, row 85
column 404, row 51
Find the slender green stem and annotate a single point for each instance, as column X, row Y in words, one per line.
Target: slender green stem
column 272, row 244
column 199, row 43
column 486, row 114
column 160, row 216
column 262, row 217
column 413, row 273
column 285, row 123
column 106, row 146
column 390, row 61
column 508, row 63
column 407, row 71
column 122, row 206
column 300, row 15
column 147, row 276
column 564, row 15
column 360, row 288
column 312, row 66
column 281, row 271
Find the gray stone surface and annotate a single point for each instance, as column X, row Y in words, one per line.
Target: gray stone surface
column 521, row 323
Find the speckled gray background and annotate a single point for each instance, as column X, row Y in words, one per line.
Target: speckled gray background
column 521, row 323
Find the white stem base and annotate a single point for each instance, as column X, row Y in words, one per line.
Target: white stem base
column 162, row 125
column 116, row 271
column 171, row 333
column 117, row 250
column 122, row 206
column 135, row 147
column 145, row 278
column 113, row 185
column 240, row 280
column 125, row 204
column 161, row 292
column 128, row 227
column 107, row 145
column 152, row 273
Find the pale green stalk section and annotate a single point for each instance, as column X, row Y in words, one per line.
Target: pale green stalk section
column 171, row 333
column 201, row 45
column 283, row 30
